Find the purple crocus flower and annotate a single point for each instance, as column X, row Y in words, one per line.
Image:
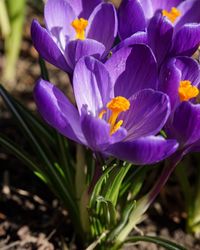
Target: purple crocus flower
column 74, row 29
column 172, row 27
column 109, row 119
column 180, row 79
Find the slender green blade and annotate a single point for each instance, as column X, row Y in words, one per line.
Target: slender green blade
column 158, row 241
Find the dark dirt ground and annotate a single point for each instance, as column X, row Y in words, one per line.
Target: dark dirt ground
column 30, row 216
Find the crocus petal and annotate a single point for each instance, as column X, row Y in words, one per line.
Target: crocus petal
column 163, row 4
column 103, row 25
column 186, row 123
column 137, row 38
column 58, row 18
column 83, row 8
column 57, row 110
column 79, row 48
column 146, row 150
column 129, row 69
column 131, row 18
column 189, row 13
column 97, row 132
column 147, row 8
column 176, row 70
column 147, row 115
column 92, row 85
column 186, row 40
column 46, row 47
column 160, row 32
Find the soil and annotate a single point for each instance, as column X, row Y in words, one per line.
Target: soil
column 30, row 216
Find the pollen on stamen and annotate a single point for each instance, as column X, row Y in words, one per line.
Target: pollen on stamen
column 119, row 104
column 80, row 25
column 172, row 15
column 116, row 127
column 187, row 91
column 102, row 113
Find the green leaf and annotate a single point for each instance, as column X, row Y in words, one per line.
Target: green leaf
column 113, row 188
column 16, row 150
column 98, row 186
column 123, row 221
column 158, row 241
column 108, row 214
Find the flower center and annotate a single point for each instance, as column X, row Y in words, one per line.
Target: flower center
column 172, row 15
column 116, row 105
column 80, row 25
column 187, row 91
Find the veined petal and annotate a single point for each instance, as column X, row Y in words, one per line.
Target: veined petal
column 129, row 69
column 163, row 4
column 83, row 8
column 92, row 85
column 103, row 25
column 148, row 8
column 79, row 48
column 46, row 47
column 186, row 40
column 97, row 132
column 185, row 126
column 147, row 115
column 137, row 38
column 131, row 18
column 58, row 17
column 57, row 110
column 189, row 13
column 146, row 150
column 160, row 32
column 176, row 70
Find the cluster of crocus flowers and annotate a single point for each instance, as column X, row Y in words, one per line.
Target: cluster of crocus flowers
column 121, row 103
column 74, row 29
column 112, row 118
column 170, row 28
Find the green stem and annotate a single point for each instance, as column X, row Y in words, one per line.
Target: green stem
column 4, row 19
column 193, row 223
column 81, row 188
column 181, row 173
column 16, row 14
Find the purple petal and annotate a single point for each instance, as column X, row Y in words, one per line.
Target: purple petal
column 148, row 8
column 147, row 150
column 57, row 110
column 160, row 32
column 186, row 123
column 189, row 13
column 92, row 85
column 131, row 18
column 137, row 38
column 130, row 72
column 186, row 40
column 79, row 48
column 147, row 115
column 46, row 47
column 97, row 132
column 83, row 8
column 176, row 70
column 163, row 4
column 103, row 25
column 58, row 18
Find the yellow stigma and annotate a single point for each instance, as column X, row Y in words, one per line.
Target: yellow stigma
column 80, row 25
column 117, row 105
column 172, row 15
column 187, row 91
